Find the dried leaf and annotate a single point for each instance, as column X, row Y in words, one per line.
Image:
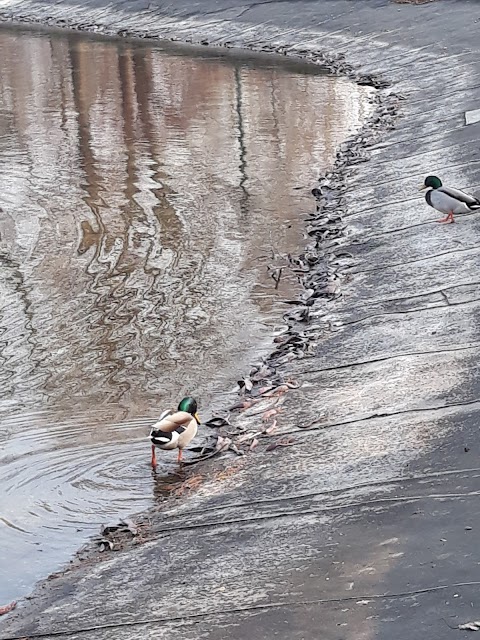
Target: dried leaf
column 264, row 390
column 131, row 526
column 469, row 626
column 105, row 544
column 246, row 436
column 269, row 414
column 243, row 404
column 216, row 422
column 284, row 442
column 262, row 373
column 7, row 608
column 276, row 392
column 247, row 404
column 107, row 529
column 201, row 449
column 222, row 443
column 269, row 430
column 245, row 384
column 236, row 450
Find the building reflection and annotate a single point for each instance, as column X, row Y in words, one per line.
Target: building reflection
column 141, row 190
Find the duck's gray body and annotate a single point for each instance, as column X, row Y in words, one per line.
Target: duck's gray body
column 448, row 200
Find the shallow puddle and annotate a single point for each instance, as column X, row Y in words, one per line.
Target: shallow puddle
column 143, row 194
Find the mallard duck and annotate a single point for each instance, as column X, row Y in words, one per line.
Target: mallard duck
column 448, row 200
column 174, row 430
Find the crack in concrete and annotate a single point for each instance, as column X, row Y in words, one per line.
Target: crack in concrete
column 336, row 492
column 247, row 609
column 387, row 314
column 413, row 176
column 317, row 429
column 374, row 165
column 424, row 294
column 411, row 354
column 393, row 265
column 430, row 136
column 359, row 504
column 446, row 95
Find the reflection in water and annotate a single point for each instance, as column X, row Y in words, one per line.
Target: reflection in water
column 143, row 192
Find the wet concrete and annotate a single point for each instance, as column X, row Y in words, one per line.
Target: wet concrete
column 366, row 525
column 135, row 180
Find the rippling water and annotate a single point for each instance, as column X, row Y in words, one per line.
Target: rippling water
column 142, row 194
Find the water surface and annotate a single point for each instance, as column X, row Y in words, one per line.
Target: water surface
column 143, row 194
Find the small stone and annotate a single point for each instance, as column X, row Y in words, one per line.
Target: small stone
column 471, row 117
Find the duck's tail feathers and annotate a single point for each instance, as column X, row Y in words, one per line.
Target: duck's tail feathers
column 162, row 438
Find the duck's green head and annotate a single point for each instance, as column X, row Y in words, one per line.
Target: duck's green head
column 431, row 182
column 189, row 405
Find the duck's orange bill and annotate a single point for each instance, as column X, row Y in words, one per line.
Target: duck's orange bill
column 196, row 416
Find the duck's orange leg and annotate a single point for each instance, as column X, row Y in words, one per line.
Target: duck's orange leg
column 179, row 457
column 448, row 219
column 154, row 457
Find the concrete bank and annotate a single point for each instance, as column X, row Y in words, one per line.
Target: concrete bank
column 366, row 526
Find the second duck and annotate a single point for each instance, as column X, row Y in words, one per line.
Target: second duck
column 448, row 200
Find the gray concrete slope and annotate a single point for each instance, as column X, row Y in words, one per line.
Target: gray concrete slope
column 367, row 525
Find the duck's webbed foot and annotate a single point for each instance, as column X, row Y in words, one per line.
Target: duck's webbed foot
column 448, row 220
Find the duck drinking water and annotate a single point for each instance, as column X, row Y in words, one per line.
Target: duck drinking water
column 175, row 430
